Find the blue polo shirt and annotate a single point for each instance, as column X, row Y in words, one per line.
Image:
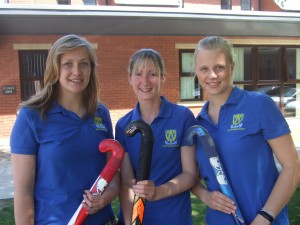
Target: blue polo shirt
column 68, row 159
column 246, row 121
column 168, row 130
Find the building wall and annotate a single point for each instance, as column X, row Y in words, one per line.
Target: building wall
column 113, row 55
column 263, row 5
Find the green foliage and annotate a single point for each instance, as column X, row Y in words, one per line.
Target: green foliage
column 7, row 218
column 7, row 212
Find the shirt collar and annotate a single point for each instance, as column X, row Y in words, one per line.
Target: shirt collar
column 165, row 110
column 233, row 99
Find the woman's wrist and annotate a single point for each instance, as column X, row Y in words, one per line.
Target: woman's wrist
column 267, row 215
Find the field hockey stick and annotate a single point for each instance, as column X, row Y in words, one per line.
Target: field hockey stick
column 144, row 163
column 105, row 177
column 214, row 160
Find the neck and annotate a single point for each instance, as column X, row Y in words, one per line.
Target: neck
column 149, row 110
column 73, row 104
column 215, row 103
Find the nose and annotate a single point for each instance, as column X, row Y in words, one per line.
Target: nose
column 212, row 74
column 76, row 68
column 144, row 77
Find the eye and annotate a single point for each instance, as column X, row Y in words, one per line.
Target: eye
column 153, row 74
column 67, row 64
column 219, row 68
column 203, row 69
column 137, row 73
column 84, row 64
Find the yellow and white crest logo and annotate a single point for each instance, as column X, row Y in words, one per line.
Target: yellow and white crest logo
column 171, row 136
column 98, row 123
column 237, row 122
column 237, row 119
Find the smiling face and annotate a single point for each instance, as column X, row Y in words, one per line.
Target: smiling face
column 75, row 70
column 214, row 71
column 146, row 81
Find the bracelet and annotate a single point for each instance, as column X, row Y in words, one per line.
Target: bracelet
column 266, row 214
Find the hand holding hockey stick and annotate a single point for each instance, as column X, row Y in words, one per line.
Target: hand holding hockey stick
column 144, row 163
column 214, row 160
column 105, row 177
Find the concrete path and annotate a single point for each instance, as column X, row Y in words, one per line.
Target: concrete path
column 6, row 180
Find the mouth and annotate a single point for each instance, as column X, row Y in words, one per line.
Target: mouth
column 145, row 89
column 76, row 80
column 213, row 84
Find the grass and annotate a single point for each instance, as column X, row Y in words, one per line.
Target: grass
column 6, row 210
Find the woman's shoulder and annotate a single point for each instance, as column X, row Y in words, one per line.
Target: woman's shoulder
column 255, row 96
column 28, row 111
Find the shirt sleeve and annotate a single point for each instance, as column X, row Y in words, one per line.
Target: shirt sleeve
column 272, row 122
column 23, row 138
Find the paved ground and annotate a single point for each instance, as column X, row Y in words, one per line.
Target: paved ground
column 6, row 181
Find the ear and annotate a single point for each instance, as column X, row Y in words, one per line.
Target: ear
column 129, row 79
column 163, row 79
column 232, row 67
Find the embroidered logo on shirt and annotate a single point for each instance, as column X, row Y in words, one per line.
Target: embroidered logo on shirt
column 98, row 123
column 237, row 122
column 170, row 136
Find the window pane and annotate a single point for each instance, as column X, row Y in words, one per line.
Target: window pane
column 293, row 63
column 187, row 88
column 245, row 5
column 243, row 64
column 187, row 62
column 268, row 63
column 89, row 2
column 245, row 87
column 64, row 2
column 32, row 66
column 225, row 4
column 286, row 98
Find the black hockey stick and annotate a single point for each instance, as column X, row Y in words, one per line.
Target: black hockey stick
column 214, row 160
column 144, row 164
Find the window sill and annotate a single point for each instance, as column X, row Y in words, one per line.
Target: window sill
column 192, row 103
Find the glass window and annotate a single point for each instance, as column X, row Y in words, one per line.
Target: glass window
column 225, row 4
column 245, row 4
column 243, row 64
column 189, row 85
column 32, row 67
column 64, row 2
column 293, row 63
column 89, row 2
column 268, row 63
column 273, row 70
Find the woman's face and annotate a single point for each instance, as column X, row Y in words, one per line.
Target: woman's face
column 75, row 71
column 146, row 81
column 214, row 71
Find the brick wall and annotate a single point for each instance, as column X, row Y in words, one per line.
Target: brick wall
column 113, row 55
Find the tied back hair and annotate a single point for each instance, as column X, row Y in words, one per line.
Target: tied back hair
column 214, row 42
column 139, row 58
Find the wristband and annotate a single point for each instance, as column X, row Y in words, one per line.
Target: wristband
column 266, row 214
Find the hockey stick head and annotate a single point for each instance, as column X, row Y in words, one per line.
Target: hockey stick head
column 115, row 160
column 147, row 140
column 113, row 146
column 194, row 132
